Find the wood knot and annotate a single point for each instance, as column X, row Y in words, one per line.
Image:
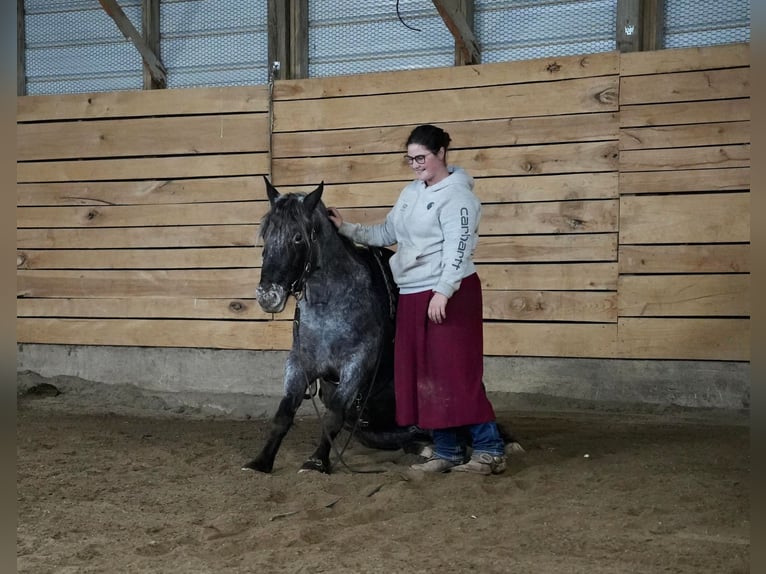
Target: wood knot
column 237, row 306
column 21, row 259
column 553, row 67
column 92, row 214
column 608, row 96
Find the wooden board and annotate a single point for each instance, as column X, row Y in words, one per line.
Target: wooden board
column 538, row 70
column 640, row 115
column 549, row 276
column 464, row 134
column 144, row 168
column 188, row 258
column 145, row 308
column 715, row 258
column 523, row 160
column 685, row 86
column 230, row 213
column 685, row 180
column 547, row 248
column 682, row 59
column 143, row 103
column 550, row 339
column 684, row 295
column 142, row 192
column 580, row 306
column 720, row 133
column 694, row 218
column 714, row 157
column 138, row 237
column 261, row 335
column 180, row 135
column 534, row 99
column 710, row 339
column 202, row 283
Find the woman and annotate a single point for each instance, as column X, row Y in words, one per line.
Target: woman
column 439, row 360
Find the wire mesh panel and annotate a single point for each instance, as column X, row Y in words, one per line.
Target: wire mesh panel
column 527, row 29
column 214, row 42
column 692, row 23
column 73, row 46
column 353, row 37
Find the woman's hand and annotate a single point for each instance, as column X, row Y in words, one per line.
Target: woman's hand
column 334, row 215
column 437, row 308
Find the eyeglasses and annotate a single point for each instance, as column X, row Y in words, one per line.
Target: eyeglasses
column 418, row 159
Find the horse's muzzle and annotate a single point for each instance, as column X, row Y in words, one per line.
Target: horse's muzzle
column 271, row 298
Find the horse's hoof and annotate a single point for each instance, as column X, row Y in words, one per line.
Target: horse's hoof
column 514, row 448
column 314, row 465
column 258, row 465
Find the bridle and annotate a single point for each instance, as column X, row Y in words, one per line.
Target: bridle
column 298, row 287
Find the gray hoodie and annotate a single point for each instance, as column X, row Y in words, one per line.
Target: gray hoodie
column 436, row 231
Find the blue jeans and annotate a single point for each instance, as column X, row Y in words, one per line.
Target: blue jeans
column 450, row 443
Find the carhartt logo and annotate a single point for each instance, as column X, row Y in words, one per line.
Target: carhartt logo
column 430, row 205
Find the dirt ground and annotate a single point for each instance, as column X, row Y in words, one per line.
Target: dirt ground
column 105, row 490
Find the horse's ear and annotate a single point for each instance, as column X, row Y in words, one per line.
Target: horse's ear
column 312, row 199
column 271, row 191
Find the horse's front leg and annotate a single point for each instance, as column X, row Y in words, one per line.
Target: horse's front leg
column 295, row 389
column 333, row 419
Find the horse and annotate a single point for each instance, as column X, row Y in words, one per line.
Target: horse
column 343, row 329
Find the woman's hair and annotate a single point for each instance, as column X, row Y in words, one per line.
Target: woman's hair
column 430, row 137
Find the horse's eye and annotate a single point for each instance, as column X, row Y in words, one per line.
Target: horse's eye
column 297, row 238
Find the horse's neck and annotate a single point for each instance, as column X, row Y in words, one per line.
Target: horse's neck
column 333, row 254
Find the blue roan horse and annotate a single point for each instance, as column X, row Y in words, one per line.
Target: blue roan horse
column 342, row 332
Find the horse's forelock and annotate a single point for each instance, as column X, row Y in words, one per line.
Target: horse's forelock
column 285, row 217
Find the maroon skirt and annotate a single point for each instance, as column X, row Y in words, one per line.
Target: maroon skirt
column 439, row 367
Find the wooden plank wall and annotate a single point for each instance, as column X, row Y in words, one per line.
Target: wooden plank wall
column 540, row 137
column 138, row 212
column 684, row 289
column 137, row 216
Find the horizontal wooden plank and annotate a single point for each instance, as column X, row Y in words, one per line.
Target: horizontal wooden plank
column 571, row 306
column 144, row 308
column 137, row 237
column 143, row 192
column 737, row 155
column 547, row 248
column 716, row 258
column 592, row 216
column 143, row 137
column 698, row 218
column 557, row 187
column 713, row 339
column 685, row 113
column 486, row 162
column 143, row 168
column 684, row 295
column 550, row 339
column 257, row 335
column 685, row 86
column 202, row 283
column 575, row 96
column 230, row 213
column 679, row 59
column 189, row 258
column 537, row 70
column 691, row 180
column 722, row 133
column 480, row 133
column 549, row 276
column 143, row 103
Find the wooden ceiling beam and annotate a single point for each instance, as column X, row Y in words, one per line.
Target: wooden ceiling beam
column 458, row 16
column 156, row 68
